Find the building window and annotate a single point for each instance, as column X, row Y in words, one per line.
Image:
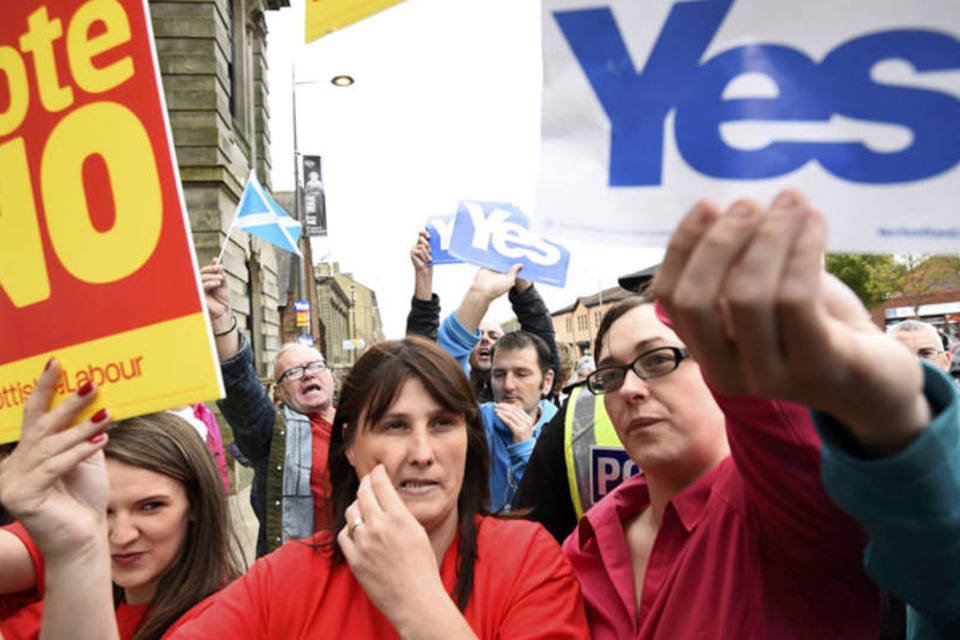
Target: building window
column 239, row 66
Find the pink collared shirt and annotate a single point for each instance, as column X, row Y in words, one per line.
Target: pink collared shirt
column 753, row 549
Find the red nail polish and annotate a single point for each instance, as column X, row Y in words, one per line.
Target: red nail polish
column 97, row 439
column 49, row 364
column 85, row 389
column 99, row 416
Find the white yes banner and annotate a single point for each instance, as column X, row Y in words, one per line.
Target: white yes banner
column 648, row 106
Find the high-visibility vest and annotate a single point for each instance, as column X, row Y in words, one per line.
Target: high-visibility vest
column 596, row 461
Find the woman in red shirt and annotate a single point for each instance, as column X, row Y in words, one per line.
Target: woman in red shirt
column 167, row 525
column 412, row 553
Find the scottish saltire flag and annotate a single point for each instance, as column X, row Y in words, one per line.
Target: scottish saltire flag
column 259, row 214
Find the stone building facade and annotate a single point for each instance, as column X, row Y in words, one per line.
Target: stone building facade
column 212, row 56
column 363, row 319
column 334, row 310
column 577, row 323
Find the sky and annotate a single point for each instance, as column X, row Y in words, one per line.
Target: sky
column 445, row 107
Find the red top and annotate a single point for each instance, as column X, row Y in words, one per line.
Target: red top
column 319, row 475
column 523, row 588
column 10, row 603
column 25, row 625
column 20, row 613
column 752, row 549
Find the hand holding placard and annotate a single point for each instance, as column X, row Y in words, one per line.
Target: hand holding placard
column 440, row 229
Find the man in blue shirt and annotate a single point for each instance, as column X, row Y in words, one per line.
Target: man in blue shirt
column 521, row 374
column 520, row 377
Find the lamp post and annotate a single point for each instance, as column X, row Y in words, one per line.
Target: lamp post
column 302, row 273
column 339, row 81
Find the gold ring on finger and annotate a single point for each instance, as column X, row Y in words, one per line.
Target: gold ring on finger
column 353, row 526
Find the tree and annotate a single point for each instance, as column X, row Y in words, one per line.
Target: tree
column 873, row 277
column 925, row 274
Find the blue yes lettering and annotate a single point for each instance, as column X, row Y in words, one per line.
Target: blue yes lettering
column 441, row 231
column 673, row 78
column 496, row 235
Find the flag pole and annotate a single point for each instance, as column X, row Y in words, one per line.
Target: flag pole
column 233, row 221
column 226, row 241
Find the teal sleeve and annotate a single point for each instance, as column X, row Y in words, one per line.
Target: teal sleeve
column 908, row 503
column 457, row 341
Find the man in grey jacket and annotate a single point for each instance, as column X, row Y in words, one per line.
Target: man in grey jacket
column 287, row 444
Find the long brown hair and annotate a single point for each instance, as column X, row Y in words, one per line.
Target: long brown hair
column 369, row 391
column 209, row 557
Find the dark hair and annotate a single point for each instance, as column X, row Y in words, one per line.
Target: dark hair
column 612, row 315
column 369, row 391
column 209, row 557
column 521, row 340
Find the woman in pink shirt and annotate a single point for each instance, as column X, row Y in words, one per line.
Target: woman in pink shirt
column 729, row 532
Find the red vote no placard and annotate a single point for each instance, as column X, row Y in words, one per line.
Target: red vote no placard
column 96, row 261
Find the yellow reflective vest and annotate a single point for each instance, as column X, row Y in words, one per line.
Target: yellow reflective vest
column 596, row 461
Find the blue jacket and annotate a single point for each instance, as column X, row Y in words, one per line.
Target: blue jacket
column 454, row 338
column 508, row 460
column 909, row 504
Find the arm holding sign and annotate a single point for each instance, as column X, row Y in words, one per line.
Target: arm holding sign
column 907, row 502
column 424, row 317
column 459, row 331
column 247, row 407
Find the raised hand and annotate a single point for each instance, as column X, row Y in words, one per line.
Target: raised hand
column 493, row 284
column 217, row 291
column 55, row 482
column 420, row 253
column 422, row 266
column 487, row 286
column 748, row 295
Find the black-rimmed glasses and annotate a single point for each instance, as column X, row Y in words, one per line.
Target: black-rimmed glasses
column 295, row 373
column 650, row 364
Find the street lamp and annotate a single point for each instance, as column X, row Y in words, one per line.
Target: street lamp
column 339, row 81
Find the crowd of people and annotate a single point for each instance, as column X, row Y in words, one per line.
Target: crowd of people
column 776, row 467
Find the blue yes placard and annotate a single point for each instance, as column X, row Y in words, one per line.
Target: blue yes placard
column 496, row 235
column 440, row 229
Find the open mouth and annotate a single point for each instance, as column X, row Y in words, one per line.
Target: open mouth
column 313, row 386
column 483, row 352
column 417, row 487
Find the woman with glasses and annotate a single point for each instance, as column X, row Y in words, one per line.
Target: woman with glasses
column 728, row 533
